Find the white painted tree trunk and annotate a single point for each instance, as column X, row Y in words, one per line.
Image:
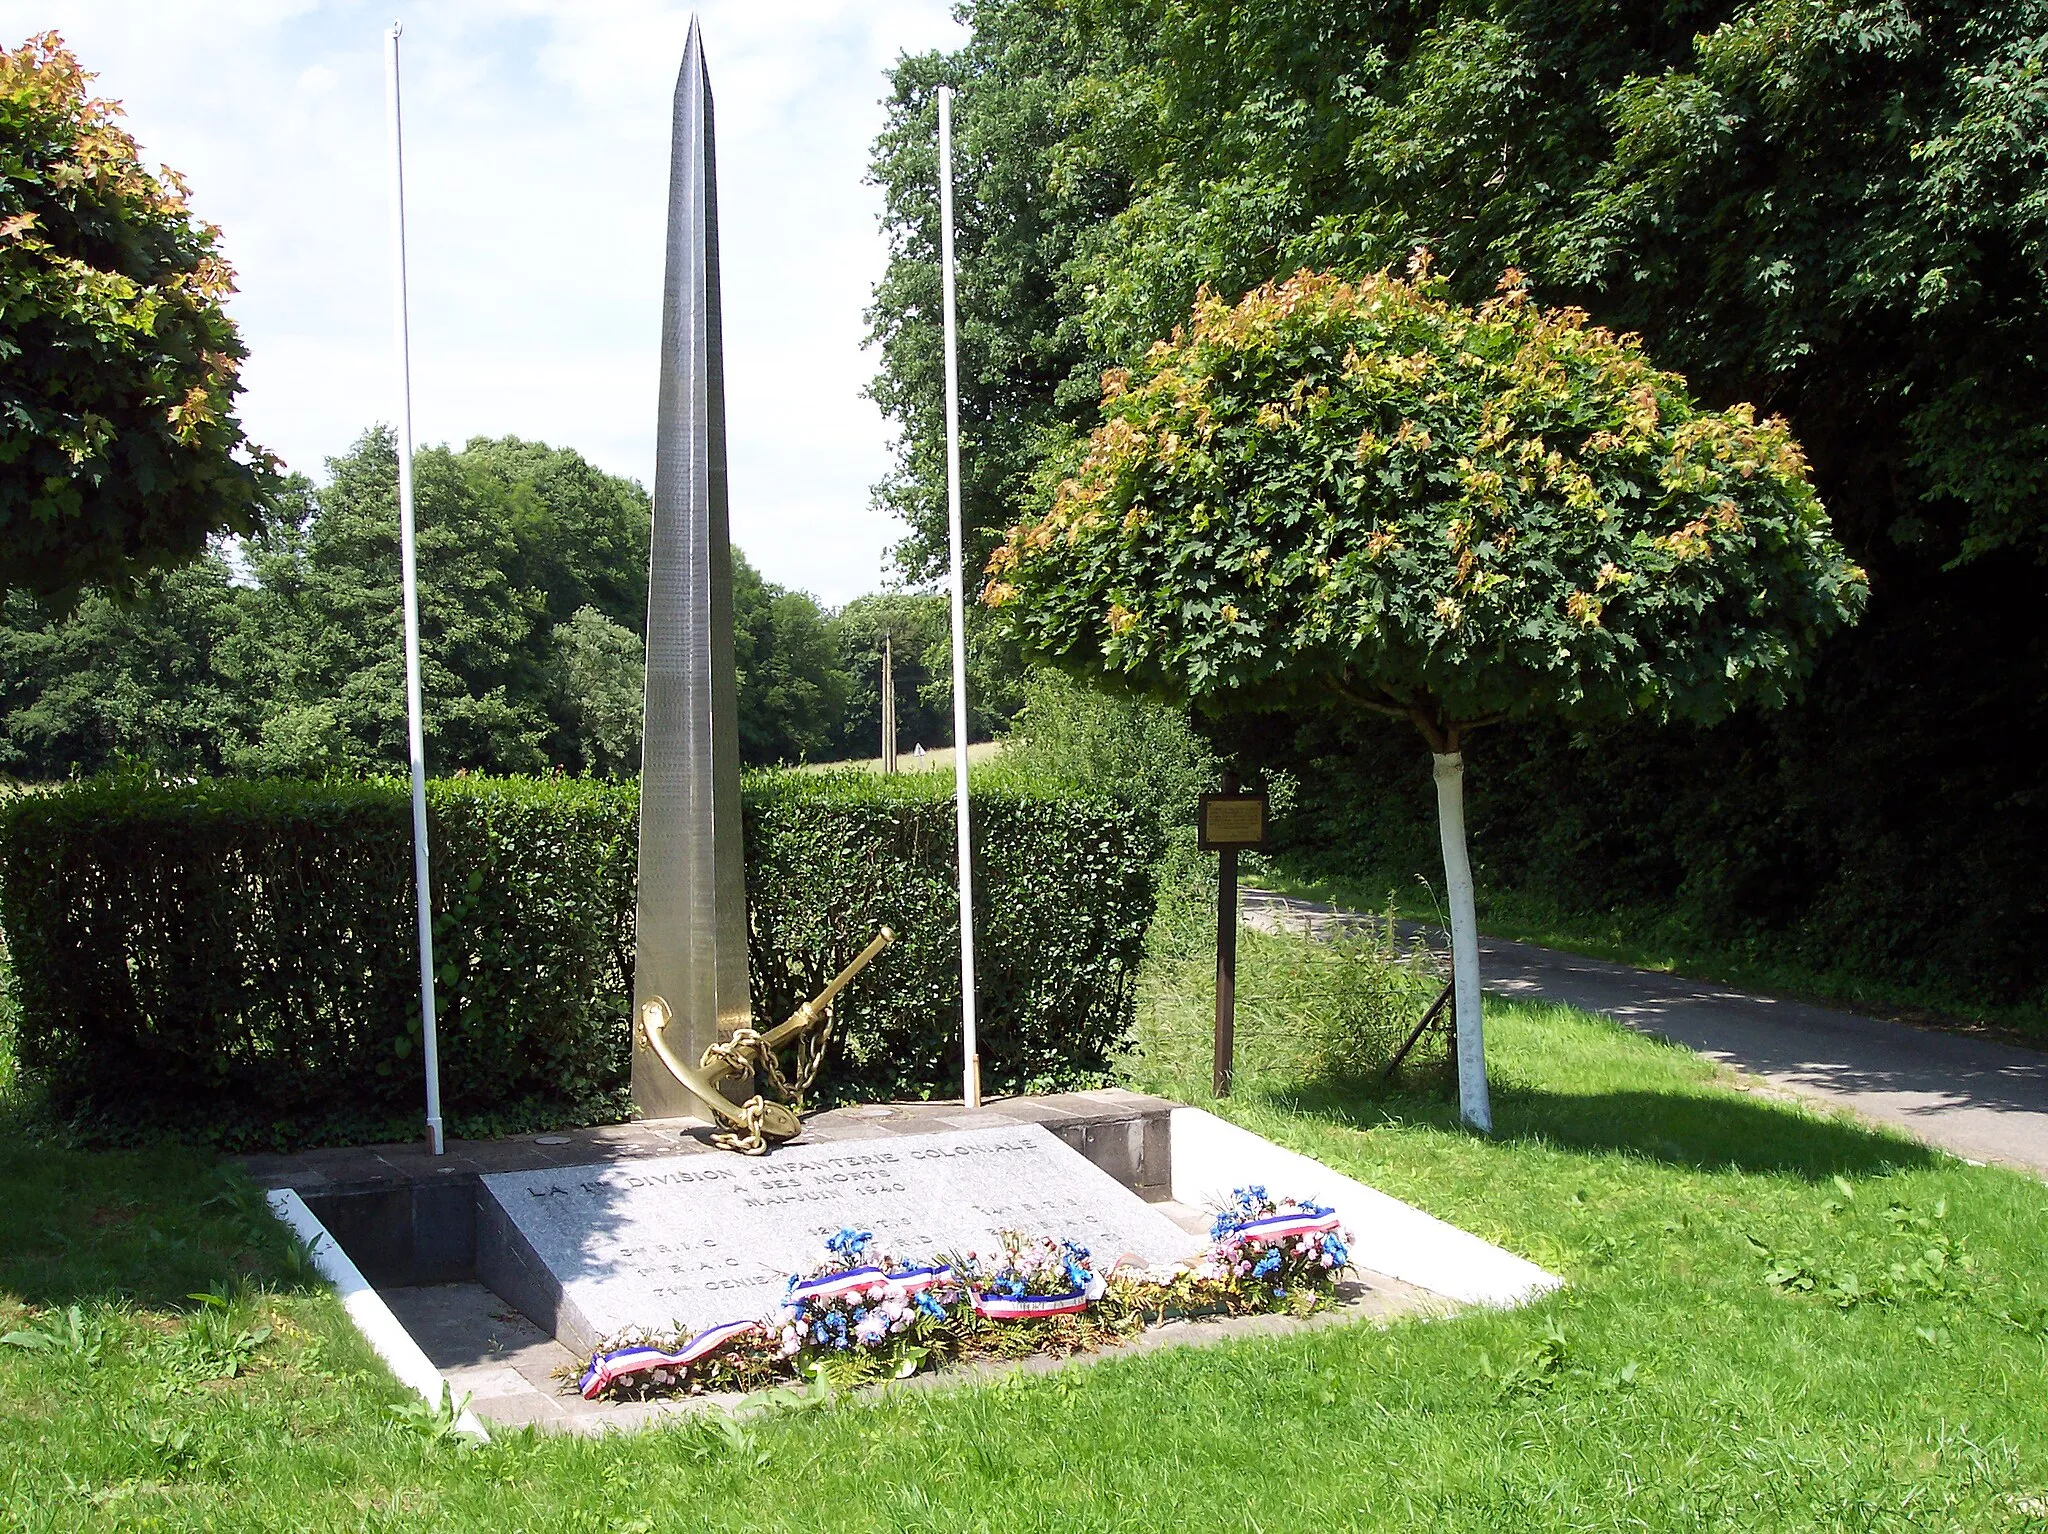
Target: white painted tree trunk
column 1473, row 1105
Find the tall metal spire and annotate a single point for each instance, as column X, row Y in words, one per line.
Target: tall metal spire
column 691, row 945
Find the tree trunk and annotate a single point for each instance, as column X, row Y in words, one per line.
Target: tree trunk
column 1473, row 1106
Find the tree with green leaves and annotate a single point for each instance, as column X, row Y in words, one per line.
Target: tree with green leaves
column 579, row 535
column 1838, row 211
column 792, row 676
column 1367, row 497
column 333, row 587
column 286, row 660
column 603, row 668
column 1841, row 208
column 152, row 679
column 120, row 452
column 1024, row 208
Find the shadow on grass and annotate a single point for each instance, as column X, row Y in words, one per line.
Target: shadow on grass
column 1708, row 1132
column 150, row 1227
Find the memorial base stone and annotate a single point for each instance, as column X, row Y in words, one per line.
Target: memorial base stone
column 688, row 1242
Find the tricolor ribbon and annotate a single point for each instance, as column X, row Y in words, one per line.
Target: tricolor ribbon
column 917, row 1280
column 828, row 1286
column 620, row 1362
column 1025, row 1307
column 1279, row 1227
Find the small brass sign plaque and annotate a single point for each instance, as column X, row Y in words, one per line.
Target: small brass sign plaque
column 1232, row 821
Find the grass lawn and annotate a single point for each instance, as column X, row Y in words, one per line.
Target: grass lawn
column 1775, row 1321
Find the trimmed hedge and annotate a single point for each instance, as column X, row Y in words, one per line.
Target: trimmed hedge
column 235, row 961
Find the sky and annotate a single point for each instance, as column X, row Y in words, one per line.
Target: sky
column 536, row 176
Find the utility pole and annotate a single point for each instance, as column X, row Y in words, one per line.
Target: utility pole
column 888, row 707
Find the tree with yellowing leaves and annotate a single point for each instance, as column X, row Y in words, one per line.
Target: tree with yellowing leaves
column 120, row 452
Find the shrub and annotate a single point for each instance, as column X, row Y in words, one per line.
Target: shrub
column 1063, row 895
column 1312, row 1014
column 1072, row 738
column 235, row 961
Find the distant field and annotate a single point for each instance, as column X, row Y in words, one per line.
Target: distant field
column 909, row 761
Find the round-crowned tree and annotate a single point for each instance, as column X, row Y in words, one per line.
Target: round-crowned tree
column 119, row 447
column 1362, row 496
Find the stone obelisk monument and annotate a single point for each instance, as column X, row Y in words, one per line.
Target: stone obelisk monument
column 691, row 946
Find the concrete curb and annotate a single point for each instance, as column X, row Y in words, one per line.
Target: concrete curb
column 373, row 1318
column 1212, row 1157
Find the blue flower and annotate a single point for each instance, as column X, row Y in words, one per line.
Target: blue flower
column 849, row 1243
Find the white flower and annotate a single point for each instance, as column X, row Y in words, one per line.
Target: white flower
column 1096, row 1287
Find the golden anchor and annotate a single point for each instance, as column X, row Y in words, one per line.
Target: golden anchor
column 750, row 1127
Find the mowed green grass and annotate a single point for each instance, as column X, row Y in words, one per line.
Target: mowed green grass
column 1670, row 1386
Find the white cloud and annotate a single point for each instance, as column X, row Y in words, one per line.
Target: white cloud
column 537, row 165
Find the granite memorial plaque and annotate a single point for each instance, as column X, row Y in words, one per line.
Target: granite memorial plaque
column 693, row 1241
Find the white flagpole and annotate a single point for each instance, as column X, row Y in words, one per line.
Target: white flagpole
column 415, row 739
column 971, row 1082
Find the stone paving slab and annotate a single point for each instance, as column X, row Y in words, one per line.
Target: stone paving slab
column 350, row 1168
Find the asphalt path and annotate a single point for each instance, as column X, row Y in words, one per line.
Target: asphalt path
column 1978, row 1099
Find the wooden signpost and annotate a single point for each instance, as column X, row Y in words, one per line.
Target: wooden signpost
column 1228, row 823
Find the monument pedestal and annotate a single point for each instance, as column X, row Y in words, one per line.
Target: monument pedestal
column 683, row 1243
column 408, row 1218
column 420, row 1226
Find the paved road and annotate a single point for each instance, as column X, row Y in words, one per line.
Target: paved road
column 1982, row 1100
